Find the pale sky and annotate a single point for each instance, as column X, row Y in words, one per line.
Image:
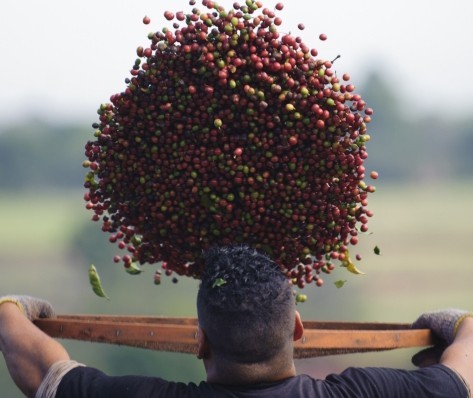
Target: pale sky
column 62, row 58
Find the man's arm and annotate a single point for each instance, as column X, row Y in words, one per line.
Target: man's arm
column 459, row 355
column 27, row 350
column 454, row 328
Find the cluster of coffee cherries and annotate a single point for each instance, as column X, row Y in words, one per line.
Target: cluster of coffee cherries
column 226, row 132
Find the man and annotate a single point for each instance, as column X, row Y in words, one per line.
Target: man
column 247, row 326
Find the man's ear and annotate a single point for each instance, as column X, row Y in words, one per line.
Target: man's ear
column 298, row 327
column 202, row 344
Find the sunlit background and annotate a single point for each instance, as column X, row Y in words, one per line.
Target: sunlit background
column 411, row 61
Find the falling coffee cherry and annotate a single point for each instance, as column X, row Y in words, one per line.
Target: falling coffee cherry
column 228, row 131
column 169, row 15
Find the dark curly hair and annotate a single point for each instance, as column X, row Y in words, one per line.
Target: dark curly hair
column 245, row 304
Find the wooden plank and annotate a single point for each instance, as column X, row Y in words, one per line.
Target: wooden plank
column 179, row 334
column 131, row 319
column 156, row 335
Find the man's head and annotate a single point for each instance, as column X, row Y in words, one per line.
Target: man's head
column 245, row 305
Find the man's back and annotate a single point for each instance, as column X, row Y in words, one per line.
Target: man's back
column 434, row 382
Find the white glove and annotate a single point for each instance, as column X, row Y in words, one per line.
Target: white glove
column 31, row 307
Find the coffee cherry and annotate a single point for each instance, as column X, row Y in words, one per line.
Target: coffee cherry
column 169, row 15
column 228, row 131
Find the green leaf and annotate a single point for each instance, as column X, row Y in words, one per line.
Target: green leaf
column 95, row 282
column 350, row 265
column 219, row 282
column 133, row 269
column 339, row 284
column 377, row 250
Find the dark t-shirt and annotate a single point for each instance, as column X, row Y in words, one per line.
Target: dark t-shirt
column 433, row 382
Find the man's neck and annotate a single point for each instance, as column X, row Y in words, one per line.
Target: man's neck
column 222, row 371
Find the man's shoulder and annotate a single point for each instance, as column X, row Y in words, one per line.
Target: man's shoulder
column 437, row 381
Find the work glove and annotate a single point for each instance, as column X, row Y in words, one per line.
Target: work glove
column 429, row 356
column 444, row 325
column 32, row 307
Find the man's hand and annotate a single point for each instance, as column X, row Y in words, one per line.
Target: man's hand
column 31, row 307
column 428, row 356
column 444, row 324
column 28, row 351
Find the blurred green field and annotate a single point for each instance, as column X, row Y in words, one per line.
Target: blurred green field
column 424, row 233
column 38, row 219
